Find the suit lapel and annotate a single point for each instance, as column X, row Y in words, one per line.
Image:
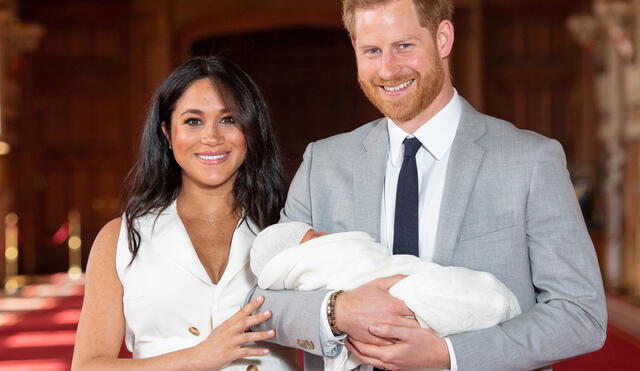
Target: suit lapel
column 368, row 179
column 464, row 162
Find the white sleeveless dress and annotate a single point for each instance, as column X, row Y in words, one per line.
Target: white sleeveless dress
column 169, row 300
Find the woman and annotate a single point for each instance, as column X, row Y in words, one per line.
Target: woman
column 171, row 276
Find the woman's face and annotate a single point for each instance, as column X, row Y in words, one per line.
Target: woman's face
column 207, row 142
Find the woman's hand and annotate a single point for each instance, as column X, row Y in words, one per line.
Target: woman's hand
column 225, row 344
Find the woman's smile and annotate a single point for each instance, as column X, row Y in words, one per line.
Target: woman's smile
column 212, row 158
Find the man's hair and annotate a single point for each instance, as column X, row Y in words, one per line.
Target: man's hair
column 430, row 12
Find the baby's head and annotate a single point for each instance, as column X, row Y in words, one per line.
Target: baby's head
column 285, row 235
column 311, row 234
column 276, row 238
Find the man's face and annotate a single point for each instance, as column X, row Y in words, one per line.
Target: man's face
column 399, row 67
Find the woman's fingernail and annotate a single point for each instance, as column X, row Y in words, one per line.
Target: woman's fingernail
column 266, row 313
column 374, row 328
column 271, row 332
column 265, row 351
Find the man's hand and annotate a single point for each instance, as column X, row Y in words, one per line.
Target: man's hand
column 370, row 304
column 412, row 349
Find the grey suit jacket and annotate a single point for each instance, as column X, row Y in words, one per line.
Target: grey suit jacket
column 508, row 208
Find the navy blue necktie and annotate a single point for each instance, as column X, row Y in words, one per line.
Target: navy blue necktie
column 405, row 230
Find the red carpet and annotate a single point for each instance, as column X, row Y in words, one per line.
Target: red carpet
column 620, row 352
column 37, row 329
column 37, row 332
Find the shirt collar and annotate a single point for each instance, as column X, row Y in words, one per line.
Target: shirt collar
column 436, row 135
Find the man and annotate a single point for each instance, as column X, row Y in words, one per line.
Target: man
column 438, row 179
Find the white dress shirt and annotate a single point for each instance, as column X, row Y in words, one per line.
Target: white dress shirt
column 436, row 136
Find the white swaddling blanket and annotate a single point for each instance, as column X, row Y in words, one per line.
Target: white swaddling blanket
column 447, row 300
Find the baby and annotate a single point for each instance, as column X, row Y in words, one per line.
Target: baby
column 447, row 300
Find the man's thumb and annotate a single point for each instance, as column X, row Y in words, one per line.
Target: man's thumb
column 386, row 282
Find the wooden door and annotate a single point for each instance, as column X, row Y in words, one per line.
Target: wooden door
column 73, row 138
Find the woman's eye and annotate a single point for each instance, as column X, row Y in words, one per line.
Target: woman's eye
column 227, row 120
column 193, row 121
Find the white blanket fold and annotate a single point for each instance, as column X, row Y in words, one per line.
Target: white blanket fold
column 447, row 300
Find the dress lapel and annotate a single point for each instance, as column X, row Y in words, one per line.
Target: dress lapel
column 239, row 253
column 464, row 162
column 368, row 179
column 172, row 241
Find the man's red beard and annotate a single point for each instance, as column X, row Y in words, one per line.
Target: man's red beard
column 407, row 107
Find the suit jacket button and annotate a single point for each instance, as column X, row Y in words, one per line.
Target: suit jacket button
column 252, row 368
column 305, row 344
column 194, row 331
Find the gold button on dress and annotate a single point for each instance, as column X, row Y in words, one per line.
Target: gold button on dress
column 194, row 331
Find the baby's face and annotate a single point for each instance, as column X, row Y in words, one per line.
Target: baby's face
column 311, row 234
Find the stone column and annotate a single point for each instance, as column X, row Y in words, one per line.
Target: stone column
column 632, row 133
column 608, row 34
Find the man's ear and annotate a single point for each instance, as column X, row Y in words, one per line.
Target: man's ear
column 444, row 38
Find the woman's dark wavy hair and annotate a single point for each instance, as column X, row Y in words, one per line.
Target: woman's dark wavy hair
column 155, row 180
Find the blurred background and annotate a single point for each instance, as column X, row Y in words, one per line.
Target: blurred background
column 76, row 77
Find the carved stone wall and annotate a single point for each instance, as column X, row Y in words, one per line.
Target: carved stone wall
column 610, row 34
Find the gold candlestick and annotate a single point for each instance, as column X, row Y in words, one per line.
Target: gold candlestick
column 11, row 282
column 75, row 246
